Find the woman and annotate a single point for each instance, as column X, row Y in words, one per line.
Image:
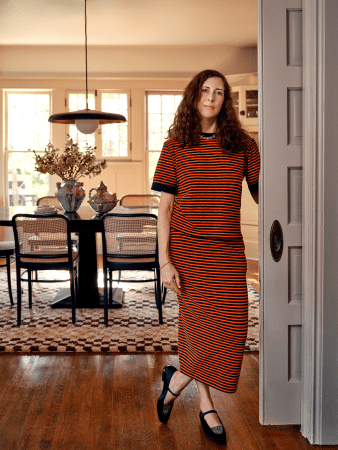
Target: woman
column 201, row 249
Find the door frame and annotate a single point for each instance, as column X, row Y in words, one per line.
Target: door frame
column 319, row 403
column 319, row 399
column 312, row 205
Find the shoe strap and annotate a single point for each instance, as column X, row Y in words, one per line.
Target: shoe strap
column 172, row 393
column 208, row 412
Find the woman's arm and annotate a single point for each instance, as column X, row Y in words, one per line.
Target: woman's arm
column 169, row 274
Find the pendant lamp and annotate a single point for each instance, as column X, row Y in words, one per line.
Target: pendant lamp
column 87, row 120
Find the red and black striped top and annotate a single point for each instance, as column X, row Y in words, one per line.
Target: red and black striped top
column 207, row 186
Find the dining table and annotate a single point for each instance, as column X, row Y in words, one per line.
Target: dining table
column 86, row 223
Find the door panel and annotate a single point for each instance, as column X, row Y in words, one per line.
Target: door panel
column 280, row 85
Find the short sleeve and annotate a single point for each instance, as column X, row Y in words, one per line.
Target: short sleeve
column 253, row 166
column 165, row 173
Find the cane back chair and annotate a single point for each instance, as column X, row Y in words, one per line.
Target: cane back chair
column 43, row 243
column 146, row 200
column 7, row 250
column 129, row 242
column 140, row 200
column 53, row 201
column 50, row 201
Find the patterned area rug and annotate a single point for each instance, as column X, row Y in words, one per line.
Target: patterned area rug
column 132, row 328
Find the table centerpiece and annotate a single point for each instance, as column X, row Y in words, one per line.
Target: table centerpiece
column 69, row 166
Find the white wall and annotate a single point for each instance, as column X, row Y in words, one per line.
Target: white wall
column 124, row 61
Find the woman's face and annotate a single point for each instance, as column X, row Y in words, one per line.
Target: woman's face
column 212, row 97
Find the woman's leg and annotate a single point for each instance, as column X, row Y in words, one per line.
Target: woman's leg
column 177, row 383
column 206, row 404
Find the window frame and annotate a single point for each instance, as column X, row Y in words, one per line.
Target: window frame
column 98, row 133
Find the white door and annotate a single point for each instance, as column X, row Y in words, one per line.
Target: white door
column 280, row 136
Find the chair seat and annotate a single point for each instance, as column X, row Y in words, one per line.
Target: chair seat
column 7, row 248
column 48, row 260
column 131, row 260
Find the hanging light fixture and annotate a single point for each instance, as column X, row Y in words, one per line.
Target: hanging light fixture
column 86, row 120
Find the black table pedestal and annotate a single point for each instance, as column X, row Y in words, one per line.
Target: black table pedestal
column 63, row 300
column 89, row 293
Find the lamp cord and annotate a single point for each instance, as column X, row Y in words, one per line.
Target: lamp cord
column 86, row 54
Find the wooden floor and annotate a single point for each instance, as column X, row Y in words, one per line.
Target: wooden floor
column 102, row 402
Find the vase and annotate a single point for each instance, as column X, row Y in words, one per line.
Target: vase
column 70, row 195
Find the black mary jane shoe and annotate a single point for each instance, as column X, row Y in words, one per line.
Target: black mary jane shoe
column 219, row 438
column 167, row 374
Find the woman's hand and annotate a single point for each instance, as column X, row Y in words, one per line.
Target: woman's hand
column 170, row 278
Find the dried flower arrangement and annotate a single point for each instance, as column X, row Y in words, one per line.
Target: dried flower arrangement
column 70, row 165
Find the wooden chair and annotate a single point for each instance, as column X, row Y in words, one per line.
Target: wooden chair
column 7, row 250
column 125, row 247
column 51, row 250
column 140, row 200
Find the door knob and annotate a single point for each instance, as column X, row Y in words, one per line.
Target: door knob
column 276, row 241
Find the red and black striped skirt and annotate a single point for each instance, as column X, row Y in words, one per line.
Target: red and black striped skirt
column 213, row 308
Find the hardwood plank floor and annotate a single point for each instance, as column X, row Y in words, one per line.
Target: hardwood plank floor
column 106, row 402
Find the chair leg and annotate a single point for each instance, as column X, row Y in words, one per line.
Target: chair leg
column 76, row 284
column 158, row 295
column 164, row 293
column 18, row 288
column 36, row 275
column 110, row 285
column 105, row 281
column 72, row 291
column 8, row 264
column 30, row 288
column 155, row 280
column 119, row 276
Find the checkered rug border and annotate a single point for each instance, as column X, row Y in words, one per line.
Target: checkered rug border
column 132, row 328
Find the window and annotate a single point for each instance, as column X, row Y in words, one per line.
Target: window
column 161, row 109
column 26, row 127
column 111, row 140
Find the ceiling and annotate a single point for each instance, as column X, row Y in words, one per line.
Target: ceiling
column 129, row 22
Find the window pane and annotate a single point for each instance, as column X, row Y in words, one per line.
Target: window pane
column 155, row 141
column 154, row 103
column 168, row 103
column 167, row 120
column 110, row 148
column 25, row 184
column 161, row 109
column 154, row 122
column 123, row 148
column 28, row 126
column 77, row 101
column 115, row 135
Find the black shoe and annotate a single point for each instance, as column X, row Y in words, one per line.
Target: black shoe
column 219, row 438
column 164, row 411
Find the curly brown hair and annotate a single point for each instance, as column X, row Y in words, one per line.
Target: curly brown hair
column 187, row 121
